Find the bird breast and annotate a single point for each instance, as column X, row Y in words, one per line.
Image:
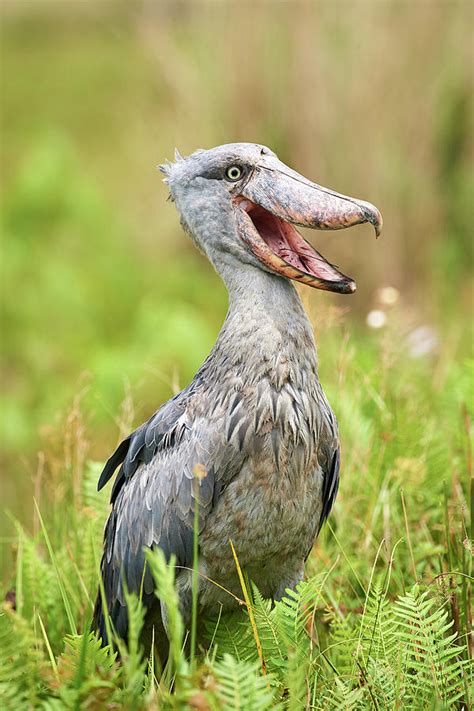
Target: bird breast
column 271, row 509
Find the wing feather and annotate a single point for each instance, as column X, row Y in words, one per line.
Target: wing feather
column 154, row 495
column 329, row 457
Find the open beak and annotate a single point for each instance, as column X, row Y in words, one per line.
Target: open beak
column 275, row 198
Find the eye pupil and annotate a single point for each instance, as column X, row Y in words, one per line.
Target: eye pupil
column 234, row 172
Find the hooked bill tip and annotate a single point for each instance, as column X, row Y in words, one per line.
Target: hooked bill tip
column 372, row 215
column 376, row 220
column 378, row 226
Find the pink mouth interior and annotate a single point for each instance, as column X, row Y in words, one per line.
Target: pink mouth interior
column 286, row 242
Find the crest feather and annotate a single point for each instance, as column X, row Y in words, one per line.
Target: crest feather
column 165, row 168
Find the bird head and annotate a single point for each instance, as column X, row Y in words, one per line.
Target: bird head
column 239, row 201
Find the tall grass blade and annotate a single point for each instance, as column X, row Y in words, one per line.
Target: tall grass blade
column 62, row 588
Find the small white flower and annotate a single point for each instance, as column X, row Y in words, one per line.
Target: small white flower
column 388, row 295
column 376, row 318
column 422, row 341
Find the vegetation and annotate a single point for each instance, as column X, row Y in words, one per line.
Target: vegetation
column 103, row 296
column 383, row 620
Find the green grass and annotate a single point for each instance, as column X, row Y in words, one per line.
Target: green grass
column 384, row 618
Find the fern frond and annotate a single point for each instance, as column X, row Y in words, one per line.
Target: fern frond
column 88, row 674
column 344, row 639
column 231, row 634
column 241, row 687
column 131, row 656
column 296, row 681
column 22, row 662
column 344, row 698
column 274, row 644
column 163, row 575
column 94, row 507
column 378, row 627
column 295, row 609
column 431, row 658
column 40, row 592
column 92, row 500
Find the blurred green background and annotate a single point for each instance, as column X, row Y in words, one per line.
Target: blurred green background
column 105, row 302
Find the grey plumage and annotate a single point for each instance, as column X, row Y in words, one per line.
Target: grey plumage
column 254, row 418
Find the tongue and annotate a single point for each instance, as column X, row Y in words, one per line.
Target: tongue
column 285, row 241
column 270, row 229
column 312, row 261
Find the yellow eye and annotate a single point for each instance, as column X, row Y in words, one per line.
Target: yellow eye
column 234, row 173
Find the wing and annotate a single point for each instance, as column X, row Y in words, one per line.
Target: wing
column 330, row 484
column 329, row 457
column 154, row 495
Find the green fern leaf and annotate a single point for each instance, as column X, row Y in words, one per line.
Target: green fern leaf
column 241, row 687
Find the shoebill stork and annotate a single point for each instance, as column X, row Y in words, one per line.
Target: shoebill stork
column 254, row 419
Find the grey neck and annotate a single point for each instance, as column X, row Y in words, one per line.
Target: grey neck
column 266, row 295
column 265, row 320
